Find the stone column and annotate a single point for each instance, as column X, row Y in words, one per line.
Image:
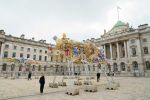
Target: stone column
column 104, row 50
column 111, row 56
column 125, row 49
column 2, row 50
column 118, row 52
column 1, row 55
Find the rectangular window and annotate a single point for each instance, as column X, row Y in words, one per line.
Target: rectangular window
column 15, row 47
column 40, row 51
column 34, row 57
column 22, row 48
column 21, row 55
column 51, row 58
column 28, row 49
column 34, row 50
column 28, row 55
column 133, row 51
column 145, row 50
column 144, row 40
column 45, row 58
column 6, row 46
column 45, row 51
column 14, row 54
column 6, row 54
column 40, row 58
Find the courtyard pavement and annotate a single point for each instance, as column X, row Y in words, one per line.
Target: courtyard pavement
column 131, row 88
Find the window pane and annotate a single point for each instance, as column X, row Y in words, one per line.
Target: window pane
column 5, row 54
column 14, row 54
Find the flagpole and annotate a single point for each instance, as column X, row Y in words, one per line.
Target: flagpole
column 118, row 12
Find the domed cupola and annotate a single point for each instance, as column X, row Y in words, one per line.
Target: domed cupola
column 119, row 27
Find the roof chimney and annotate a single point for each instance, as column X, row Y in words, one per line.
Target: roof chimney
column 22, row 36
column 2, row 32
column 33, row 38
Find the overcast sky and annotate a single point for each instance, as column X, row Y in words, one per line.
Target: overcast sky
column 80, row 19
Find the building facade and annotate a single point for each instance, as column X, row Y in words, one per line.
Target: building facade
column 127, row 50
column 20, row 55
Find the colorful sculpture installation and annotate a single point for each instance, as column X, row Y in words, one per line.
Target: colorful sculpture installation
column 76, row 51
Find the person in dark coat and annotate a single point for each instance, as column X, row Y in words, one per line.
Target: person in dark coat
column 42, row 82
column 29, row 75
column 98, row 73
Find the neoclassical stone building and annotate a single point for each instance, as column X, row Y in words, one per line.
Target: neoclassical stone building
column 20, row 55
column 127, row 50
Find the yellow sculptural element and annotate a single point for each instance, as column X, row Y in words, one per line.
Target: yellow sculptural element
column 64, row 35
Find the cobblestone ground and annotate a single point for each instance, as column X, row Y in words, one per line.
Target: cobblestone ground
column 131, row 88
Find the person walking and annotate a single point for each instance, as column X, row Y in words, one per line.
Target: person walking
column 98, row 74
column 42, row 83
column 29, row 75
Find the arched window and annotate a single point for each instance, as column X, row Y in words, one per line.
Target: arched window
column 27, row 68
column 45, row 67
column 135, row 65
column 62, row 68
column 12, row 67
column 83, row 68
column 20, row 67
column 123, row 68
column 89, row 67
column 115, row 67
column 56, row 68
column 99, row 66
column 4, row 67
column 93, row 67
column 39, row 69
column 147, row 65
column 33, row 68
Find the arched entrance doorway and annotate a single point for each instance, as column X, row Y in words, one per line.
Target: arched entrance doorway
column 115, row 67
column 12, row 67
column 4, row 67
column 20, row 67
column 122, row 65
